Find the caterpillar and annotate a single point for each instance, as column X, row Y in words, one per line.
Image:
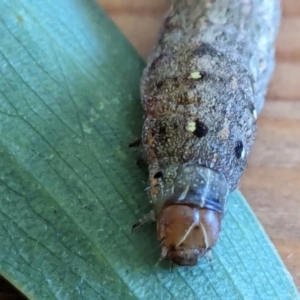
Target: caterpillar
column 201, row 91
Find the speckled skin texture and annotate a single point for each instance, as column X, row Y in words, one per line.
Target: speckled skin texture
column 203, row 86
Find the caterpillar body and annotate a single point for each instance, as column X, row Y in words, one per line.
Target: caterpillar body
column 201, row 91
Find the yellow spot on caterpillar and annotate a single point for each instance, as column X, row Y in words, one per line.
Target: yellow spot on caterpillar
column 195, row 75
column 191, row 126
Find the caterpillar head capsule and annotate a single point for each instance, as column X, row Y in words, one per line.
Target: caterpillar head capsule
column 189, row 214
column 187, row 232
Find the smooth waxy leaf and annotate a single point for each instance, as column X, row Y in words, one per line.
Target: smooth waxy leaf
column 70, row 188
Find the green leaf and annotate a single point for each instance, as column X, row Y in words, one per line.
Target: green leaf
column 70, row 188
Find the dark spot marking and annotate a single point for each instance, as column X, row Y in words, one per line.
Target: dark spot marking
column 224, row 112
column 204, row 74
column 175, row 126
column 156, row 62
column 239, row 149
column 176, row 82
column 159, row 84
column 169, row 24
column 205, row 49
column 159, row 174
column 201, row 129
column 162, row 130
column 55, row 211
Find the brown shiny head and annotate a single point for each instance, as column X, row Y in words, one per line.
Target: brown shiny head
column 187, row 232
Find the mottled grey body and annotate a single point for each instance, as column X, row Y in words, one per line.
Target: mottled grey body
column 203, row 87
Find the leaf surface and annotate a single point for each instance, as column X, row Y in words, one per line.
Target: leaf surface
column 70, row 188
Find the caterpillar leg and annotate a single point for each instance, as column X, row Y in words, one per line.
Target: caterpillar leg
column 135, row 144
